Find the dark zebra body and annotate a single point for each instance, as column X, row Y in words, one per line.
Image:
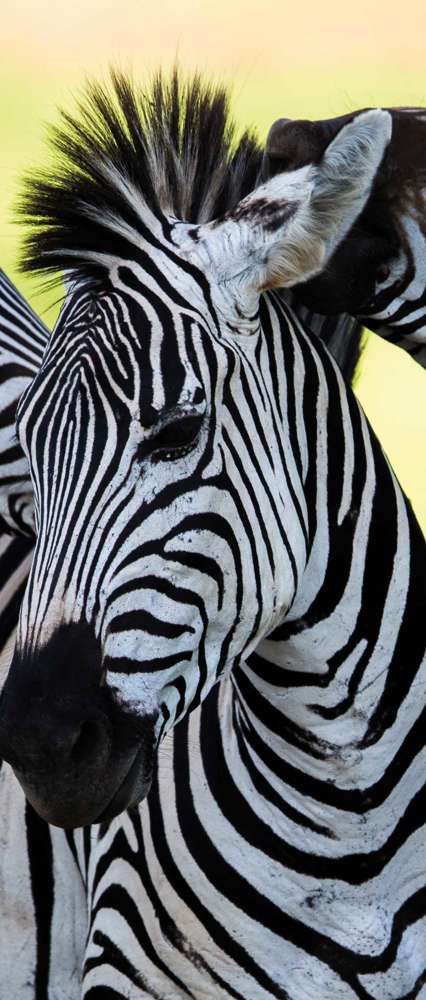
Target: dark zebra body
column 378, row 272
column 279, row 850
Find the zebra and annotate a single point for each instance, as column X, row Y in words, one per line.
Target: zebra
column 43, row 871
column 278, row 849
column 378, row 272
column 43, row 902
column 43, row 875
column 23, row 338
column 41, row 889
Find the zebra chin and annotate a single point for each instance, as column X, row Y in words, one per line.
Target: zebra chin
column 70, row 808
column 79, row 755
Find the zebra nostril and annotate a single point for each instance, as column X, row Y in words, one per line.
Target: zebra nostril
column 90, row 741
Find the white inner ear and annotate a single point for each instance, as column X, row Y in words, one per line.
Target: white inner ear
column 285, row 231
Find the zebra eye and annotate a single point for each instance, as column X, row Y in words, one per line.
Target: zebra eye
column 382, row 274
column 176, row 438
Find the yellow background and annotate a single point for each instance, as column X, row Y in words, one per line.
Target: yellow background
column 282, row 58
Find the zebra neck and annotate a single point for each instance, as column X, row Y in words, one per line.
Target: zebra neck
column 335, row 747
column 339, row 688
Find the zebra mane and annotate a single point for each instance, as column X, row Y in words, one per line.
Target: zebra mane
column 171, row 148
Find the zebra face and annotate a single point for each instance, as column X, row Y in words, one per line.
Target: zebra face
column 147, row 583
column 168, row 543
column 125, row 428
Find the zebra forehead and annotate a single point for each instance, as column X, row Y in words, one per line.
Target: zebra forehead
column 128, row 164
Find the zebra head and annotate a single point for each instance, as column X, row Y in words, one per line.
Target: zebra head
column 167, row 542
column 378, row 272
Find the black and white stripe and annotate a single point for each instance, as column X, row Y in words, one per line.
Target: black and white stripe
column 279, row 851
column 43, row 912
column 45, row 889
column 23, row 338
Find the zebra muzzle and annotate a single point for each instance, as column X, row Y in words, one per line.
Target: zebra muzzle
column 79, row 756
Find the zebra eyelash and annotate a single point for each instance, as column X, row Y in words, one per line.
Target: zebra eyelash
column 173, row 455
column 189, row 424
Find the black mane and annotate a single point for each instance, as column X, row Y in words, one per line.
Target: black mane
column 173, row 144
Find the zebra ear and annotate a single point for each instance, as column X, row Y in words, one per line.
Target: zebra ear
column 285, row 231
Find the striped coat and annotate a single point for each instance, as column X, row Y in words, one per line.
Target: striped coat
column 278, row 852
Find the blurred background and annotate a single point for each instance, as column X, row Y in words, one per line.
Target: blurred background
column 282, row 58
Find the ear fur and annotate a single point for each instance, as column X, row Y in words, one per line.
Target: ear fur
column 285, row 231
